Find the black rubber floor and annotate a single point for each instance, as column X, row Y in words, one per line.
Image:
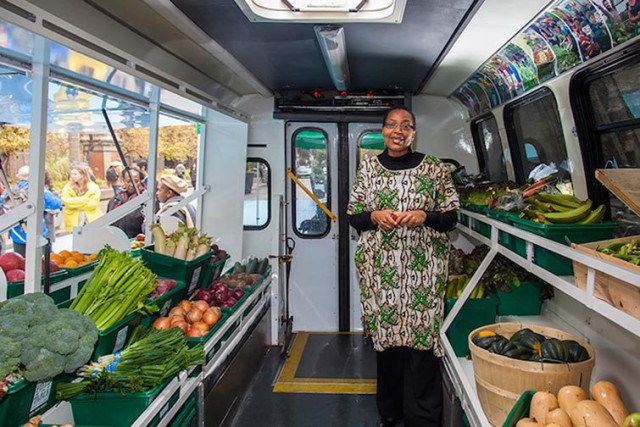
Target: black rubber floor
column 335, row 353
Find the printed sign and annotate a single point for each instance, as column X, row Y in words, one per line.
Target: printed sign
column 41, row 396
column 194, row 279
column 121, row 339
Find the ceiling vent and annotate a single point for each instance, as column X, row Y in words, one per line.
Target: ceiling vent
column 323, row 11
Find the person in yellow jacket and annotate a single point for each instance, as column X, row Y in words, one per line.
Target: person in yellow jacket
column 80, row 194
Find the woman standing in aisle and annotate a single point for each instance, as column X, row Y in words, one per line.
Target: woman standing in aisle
column 80, row 195
column 403, row 203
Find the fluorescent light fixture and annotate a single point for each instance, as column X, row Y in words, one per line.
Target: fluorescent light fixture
column 334, row 50
column 323, row 11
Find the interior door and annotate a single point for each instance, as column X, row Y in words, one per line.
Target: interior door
column 313, row 284
column 365, row 139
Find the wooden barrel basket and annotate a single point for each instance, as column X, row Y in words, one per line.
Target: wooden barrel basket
column 501, row 380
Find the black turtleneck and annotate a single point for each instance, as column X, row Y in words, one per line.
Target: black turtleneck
column 439, row 221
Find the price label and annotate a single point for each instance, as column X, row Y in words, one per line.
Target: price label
column 165, row 308
column 195, row 278
column 41, row 396
column 121, row 338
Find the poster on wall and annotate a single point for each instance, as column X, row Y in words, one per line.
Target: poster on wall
column 464, row 100
column 622, row 17
column 523, row 63
column 540, row 51
column 481, row 95
column 489, row 88
column 561, row 40
column 501, row 66
column 588, row 30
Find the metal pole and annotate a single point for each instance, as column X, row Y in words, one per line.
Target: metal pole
column 152, row 161
column 119, row 149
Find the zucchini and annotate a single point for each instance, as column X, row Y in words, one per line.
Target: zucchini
column 252, row 265
column 263, row 265
column 238, row 268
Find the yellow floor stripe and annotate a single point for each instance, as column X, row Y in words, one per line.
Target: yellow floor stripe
column 288, row 382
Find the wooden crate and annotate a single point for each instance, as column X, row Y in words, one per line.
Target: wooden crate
column 622, row 295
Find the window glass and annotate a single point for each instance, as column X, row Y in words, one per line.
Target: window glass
column 77, row 62
column 310, row 166
column 370, row 144
column 176, row 101
column 16, row 38
column 257, row 194
column 616, row 97
column 490, row 146
column 536, row 136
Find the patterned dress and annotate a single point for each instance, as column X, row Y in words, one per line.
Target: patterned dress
column 403, row 272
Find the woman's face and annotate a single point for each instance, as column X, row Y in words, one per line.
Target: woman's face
column 398, row 132
column 75, row 176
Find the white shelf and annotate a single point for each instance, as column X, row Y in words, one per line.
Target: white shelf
column 461, row 369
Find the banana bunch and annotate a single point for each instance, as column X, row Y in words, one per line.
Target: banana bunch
column 457, row 284
column 561, row 209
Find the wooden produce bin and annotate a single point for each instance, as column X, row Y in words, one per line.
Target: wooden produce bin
column 500, row 380
column 620, row 294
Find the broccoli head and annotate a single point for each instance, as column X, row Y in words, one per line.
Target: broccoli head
column 45, row 366
column 81, row 356
column 9, row 355
column 14, row 325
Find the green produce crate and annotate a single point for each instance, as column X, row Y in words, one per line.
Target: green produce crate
column 481, row 227
column 188, row 272
column 509, row 241
column 565, row 234
column 118, row 410
column 474, row 313
column 520, row 409
column 237, row 305
column 113, row 339
column 463, row 219
column 476, row 208
column 186, row 414
column 522, row 300
column 165, row 302
column 16, row 288
column 231, row 330
column 211, row 271
column 25, row 400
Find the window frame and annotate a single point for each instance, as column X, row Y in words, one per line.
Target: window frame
column 266, row 224
column 477, row 143
column 512, row 137
column 587, row 129
column 359, row 140
column 294, row 211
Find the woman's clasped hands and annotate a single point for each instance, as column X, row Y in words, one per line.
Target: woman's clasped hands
column 389, row 219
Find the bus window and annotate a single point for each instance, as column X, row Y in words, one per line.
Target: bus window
column 257, row 194
column 606, row 104
column 370, row 144
column 311, row 168
column 535, row 135
column 488, row 146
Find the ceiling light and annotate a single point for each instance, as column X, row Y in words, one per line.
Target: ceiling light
column 334, row 51
column 323, row 11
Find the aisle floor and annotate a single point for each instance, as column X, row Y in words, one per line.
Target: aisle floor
column 329, row 380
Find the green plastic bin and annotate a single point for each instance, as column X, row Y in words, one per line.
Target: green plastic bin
column 211, row 271
column 25, row 400
column 520, row 410
column 114, row 338
column 238, row 304
column 186, row 414
column 522, row 300
column 117, row 409
column 474, row 314
column 184, row 271
column 565, row 234
column 16, row 288
column 165, row 302
column 481, row 227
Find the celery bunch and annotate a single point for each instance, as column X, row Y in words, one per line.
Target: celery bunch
column 118, row 286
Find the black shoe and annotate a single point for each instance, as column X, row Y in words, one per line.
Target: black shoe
column 387, row 422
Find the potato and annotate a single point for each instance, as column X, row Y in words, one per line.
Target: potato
column 527, row 422
column 558, row 417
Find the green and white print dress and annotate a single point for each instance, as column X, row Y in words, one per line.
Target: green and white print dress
column 403, row 272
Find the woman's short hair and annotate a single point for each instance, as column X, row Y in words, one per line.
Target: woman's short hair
column 399, row 107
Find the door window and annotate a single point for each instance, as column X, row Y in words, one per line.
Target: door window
column 310, row 165
column 370, row 143
column 536, row 136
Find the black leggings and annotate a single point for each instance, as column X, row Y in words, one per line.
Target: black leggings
column 409, row 386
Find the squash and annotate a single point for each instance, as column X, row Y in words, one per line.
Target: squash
column 527, row 422
column 555, row 425
column 568, row 396
column 554, row 350
column 558, row 417
column 541, row 403
column 589, row 413
column 577, row 353
column 606, row 393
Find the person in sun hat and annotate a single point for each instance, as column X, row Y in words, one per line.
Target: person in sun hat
column 169, row 193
